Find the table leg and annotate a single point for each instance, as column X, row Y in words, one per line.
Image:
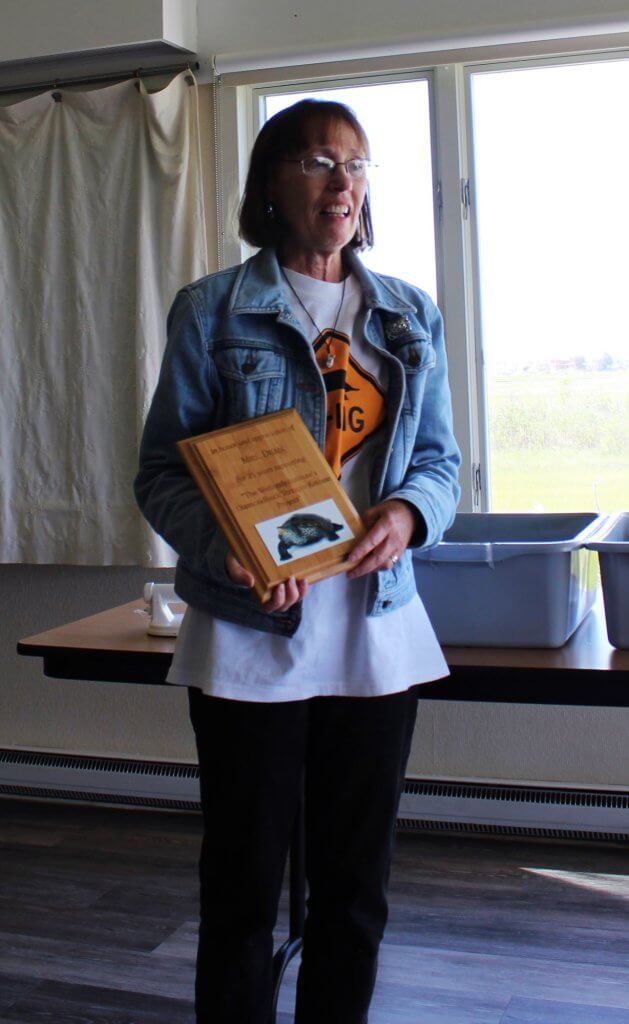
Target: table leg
column 297, row 910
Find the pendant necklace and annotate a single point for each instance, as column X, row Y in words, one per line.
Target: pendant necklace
column 329, row 359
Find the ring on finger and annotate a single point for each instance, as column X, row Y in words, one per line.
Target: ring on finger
column 394, row 559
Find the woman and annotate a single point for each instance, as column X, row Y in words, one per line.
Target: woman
column 315, row 688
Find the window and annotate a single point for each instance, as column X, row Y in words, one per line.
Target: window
column 530, row 274
column 551, row 163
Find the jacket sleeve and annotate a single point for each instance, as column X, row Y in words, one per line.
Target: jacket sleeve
column 184, row 404
column 430, row 483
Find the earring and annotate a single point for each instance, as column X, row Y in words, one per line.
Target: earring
column 270, row 210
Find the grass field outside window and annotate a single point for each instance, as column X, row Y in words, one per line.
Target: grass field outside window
column 559, row 441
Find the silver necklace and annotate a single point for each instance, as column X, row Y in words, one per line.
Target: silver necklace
column 329, row 359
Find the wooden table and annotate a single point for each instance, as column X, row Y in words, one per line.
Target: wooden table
column 113, row 646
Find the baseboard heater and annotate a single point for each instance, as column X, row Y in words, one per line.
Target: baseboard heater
column 426, row 805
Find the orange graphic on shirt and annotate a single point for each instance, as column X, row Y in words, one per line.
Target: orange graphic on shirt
column 355, row 399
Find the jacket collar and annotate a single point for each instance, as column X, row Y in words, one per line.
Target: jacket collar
column 259, row 287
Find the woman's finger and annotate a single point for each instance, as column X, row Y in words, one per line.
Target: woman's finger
column 275, row 602
column 285, row 595
column 379, row 558
column 376, row 535
column 391, row 526
column 237, row 572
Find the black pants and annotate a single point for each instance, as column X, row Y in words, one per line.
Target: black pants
column 350, row 756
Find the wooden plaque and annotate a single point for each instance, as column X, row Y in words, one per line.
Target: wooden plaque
column 275, row 498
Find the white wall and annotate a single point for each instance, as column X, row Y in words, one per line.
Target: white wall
column 180, row 22
column 521, row 743
column 36, row 28
column 245, row 32
column 80, row 717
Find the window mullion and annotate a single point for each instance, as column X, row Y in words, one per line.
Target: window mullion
column 456, row 277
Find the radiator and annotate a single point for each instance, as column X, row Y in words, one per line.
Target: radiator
column 544, row 811
column 37, row 775
column 428, row 805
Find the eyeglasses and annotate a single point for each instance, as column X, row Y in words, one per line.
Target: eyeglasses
column 319, row 166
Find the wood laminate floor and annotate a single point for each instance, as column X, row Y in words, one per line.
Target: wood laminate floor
column 98, row 922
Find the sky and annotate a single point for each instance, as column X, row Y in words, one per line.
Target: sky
column 552, row 175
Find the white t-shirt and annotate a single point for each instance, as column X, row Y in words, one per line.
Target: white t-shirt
column 338, row 649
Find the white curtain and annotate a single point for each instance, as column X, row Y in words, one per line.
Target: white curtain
column 101, row 221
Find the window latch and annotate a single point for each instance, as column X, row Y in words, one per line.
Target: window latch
column 476, row 484
column 465, row 197
column 439, row 198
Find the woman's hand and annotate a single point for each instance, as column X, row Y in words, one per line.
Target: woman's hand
column 283, row 596
column 390, row 526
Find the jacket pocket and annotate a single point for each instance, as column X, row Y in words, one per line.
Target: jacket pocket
column 253, row 380
column 417, row 357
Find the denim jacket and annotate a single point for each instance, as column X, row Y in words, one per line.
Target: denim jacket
column 235, row 350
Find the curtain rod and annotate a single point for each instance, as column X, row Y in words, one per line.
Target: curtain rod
column 117, row 76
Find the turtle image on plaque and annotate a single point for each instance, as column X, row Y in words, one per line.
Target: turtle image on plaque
column 304, row 532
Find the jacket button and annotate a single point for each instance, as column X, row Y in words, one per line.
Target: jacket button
column 249, row 365
column 386, row 604
column 413, row 359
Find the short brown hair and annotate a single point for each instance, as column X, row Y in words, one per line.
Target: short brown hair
column 284, row 135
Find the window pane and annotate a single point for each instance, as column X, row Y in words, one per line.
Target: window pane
column 552, row 165
column 396, row 118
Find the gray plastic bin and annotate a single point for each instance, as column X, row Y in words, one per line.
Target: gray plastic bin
column 509, row 580
column 612, row 544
